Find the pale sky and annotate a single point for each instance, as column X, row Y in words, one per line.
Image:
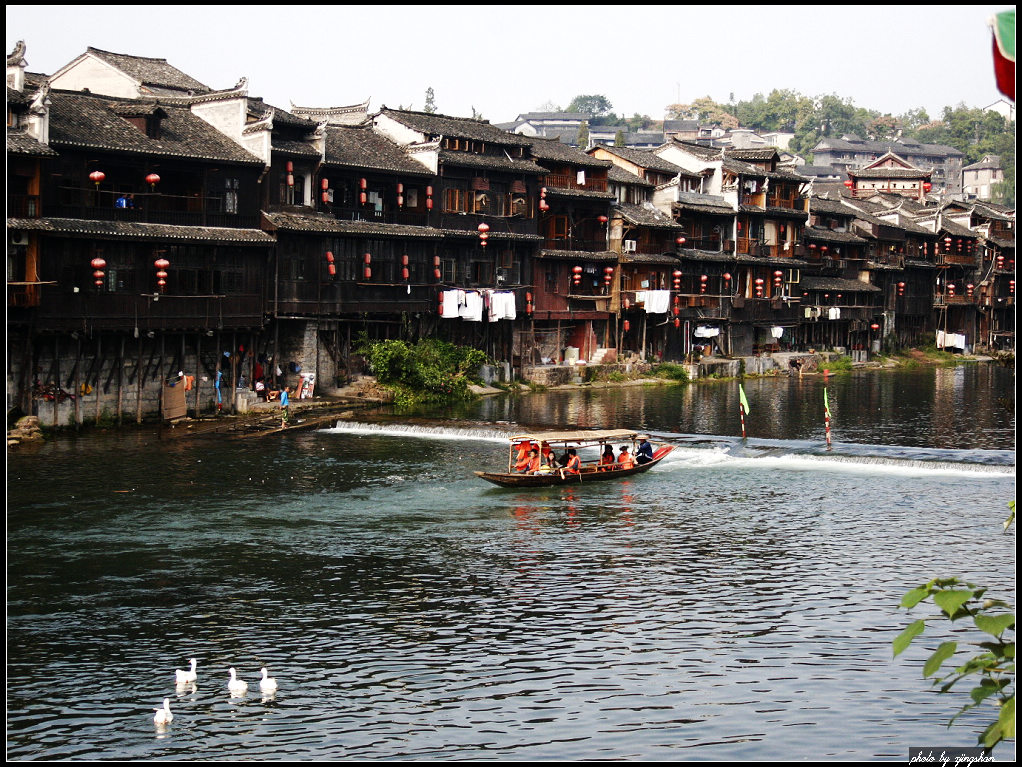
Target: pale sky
column 503, row 60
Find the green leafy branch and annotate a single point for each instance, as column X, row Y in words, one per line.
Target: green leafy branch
column 994, row 665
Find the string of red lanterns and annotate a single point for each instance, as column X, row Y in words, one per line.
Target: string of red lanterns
column 484, row 233
column 161, row 265
column 98, row 265
column 331, row 269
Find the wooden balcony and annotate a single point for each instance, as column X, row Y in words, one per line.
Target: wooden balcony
column 570, row 181
column 62, row 311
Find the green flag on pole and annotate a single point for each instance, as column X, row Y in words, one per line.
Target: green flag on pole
column 741, row 395
column 826, row 404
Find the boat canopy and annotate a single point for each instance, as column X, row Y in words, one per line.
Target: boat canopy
column 581, row 436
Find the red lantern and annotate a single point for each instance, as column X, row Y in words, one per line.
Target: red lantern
column 901, row 288
column 98, row 263
column 367, row 259
column 324, row 184
column 627, row 326
column 362, row 183
column 429, row 198
column 404, row 273
column 927, row 186
column 680, row 241
column 368, row 272
column 97, row 177
column 484, row 227
column 161, row 274
column 727, row 276
column 290, row 166
column 329, row 257
column 436, row 273
column 161, row 263
column 543, row 206
column 951, row 289
column 627, row 304
column 1011, row 287
column 602, row 219
column 874, row 326
column 848, row 183
column 677, row 322
column 969, row 288
column 577, row 269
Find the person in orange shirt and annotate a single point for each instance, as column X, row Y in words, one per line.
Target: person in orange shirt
column 574, row 464
column 607, row 459
column 534, row 462
column 625, row 460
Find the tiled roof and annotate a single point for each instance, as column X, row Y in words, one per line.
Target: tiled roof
column 455, row 127
column 553, row 191
column 820, row 234
column 322, row 224
column 364, row 148
column 990, row 162
column 553, row 149
column 81, row 120
column 883, row 147
column 580, row 116
column 701, row 151
column 18, row 98
column 650, row 258
column 646, row 216
column 890, row 173
column 769, row 153
column 281, row 117
column 621, row 176
column 834, row 207
column 645, row 158
column 579, row 255
column 295, row 148
column 986, row 210
column 19, row 142
column 489, row 162
column 745, row 169
column 130, row 230
column 703, row 203
column 836, row 283
column 151, row 72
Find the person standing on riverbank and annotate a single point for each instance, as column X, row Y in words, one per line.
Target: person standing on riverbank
column 285, row 403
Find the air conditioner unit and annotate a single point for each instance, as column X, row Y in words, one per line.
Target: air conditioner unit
column 19, row 238
column 629, row 246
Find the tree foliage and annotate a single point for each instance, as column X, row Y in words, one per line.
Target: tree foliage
column 595, row 105
column 429, row 370
column 992, row 669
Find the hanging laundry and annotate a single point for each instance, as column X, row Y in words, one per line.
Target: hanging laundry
column 658, row 301
column 473, row 308
column 451, row 306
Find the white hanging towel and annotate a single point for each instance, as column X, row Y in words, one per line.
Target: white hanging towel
column 658, row 301
column 580, row 178
column 473, row 308
column 450, row 308
column 776, row 332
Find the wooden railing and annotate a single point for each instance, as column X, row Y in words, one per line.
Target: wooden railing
column 570, row 181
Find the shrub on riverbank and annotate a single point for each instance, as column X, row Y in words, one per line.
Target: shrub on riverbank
column 671, row 371
column 427, row 371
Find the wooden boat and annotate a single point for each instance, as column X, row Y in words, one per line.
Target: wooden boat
column 590, row 471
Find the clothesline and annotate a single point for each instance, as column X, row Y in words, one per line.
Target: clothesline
column 469, row 305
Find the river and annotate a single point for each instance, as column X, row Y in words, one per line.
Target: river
column 738, row 602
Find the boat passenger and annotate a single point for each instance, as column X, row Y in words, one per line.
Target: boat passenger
column 607, row 459
column 644, row 453
column 574, row 463
column 535, row 463
column 549, row 459
column 625, row 460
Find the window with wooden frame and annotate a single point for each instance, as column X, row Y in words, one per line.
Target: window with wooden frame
column 448, row 270
column 550, row 274
column 456, row 200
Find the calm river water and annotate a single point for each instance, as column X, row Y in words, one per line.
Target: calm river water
column 738, row 602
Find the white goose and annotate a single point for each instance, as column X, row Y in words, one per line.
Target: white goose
column 237, row 686
column 163, row 715
column 186, row 677
column 267, row 684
